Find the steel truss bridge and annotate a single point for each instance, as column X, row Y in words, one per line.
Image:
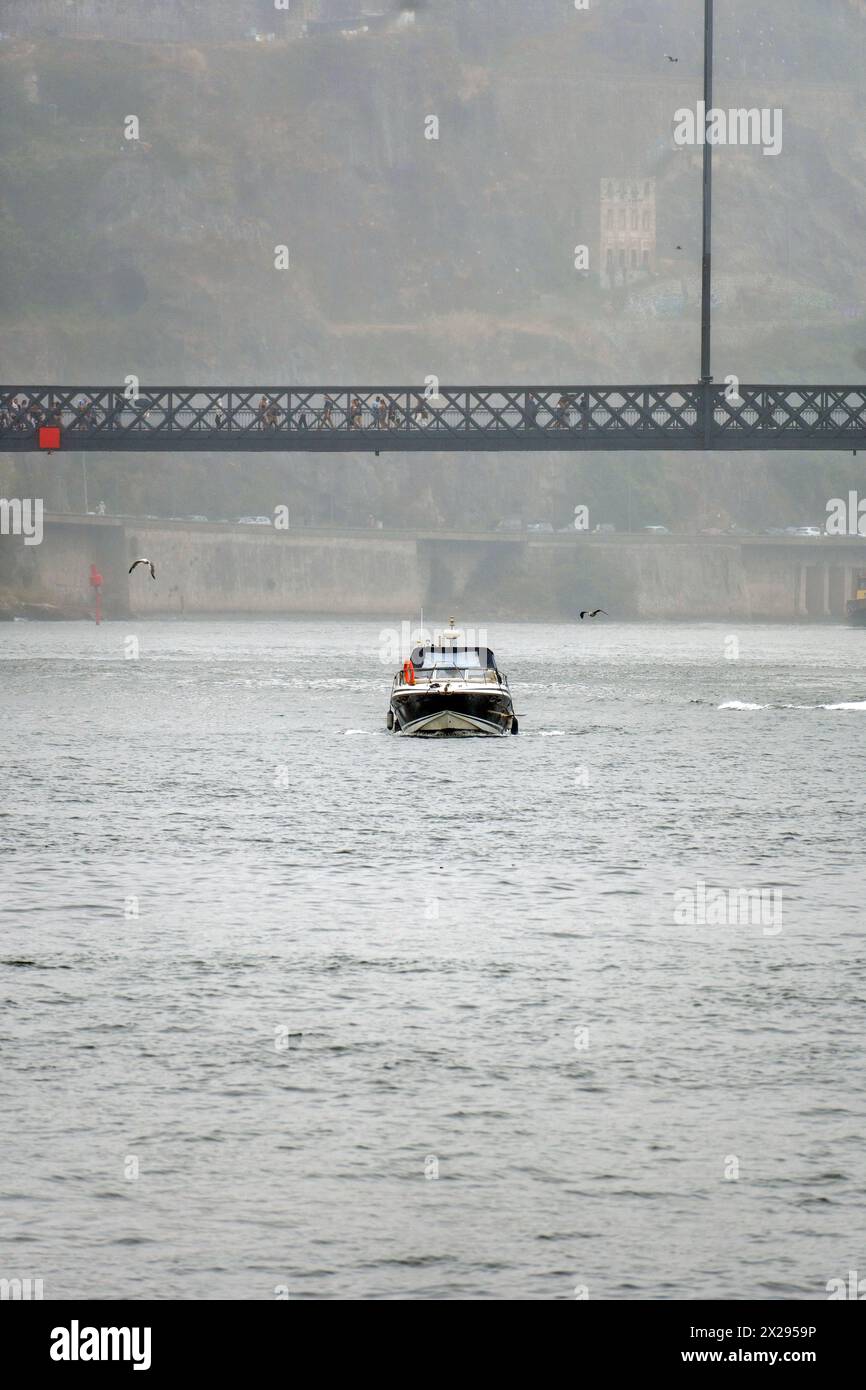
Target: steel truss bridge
column 354, row 419
column 350, row 419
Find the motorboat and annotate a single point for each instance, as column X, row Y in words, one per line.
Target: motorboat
column 449, row 688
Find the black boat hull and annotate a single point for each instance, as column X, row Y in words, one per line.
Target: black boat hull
column 439, row 713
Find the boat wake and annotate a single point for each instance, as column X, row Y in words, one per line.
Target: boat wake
column 849, row 705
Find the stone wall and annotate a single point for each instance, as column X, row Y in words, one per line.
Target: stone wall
column 212, row 569
column 246, row 569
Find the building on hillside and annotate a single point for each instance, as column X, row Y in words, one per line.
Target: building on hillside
column 628, row 230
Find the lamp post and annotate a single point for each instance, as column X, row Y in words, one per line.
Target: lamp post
column 706, row 268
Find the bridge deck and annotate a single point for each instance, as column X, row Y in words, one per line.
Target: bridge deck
column 477, row 418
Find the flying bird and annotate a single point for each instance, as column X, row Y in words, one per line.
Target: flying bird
column 592, row 613
column 670, row 59
column 143, row 561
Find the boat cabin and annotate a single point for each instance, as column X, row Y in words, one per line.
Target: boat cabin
column 444, row 662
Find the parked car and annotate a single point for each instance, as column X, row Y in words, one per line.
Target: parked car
column 605, row 526
column 511, row 523
column 539, row 526
column 808, row 531
column 657, row 530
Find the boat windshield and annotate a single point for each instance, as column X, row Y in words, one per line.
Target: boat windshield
column 457, row 661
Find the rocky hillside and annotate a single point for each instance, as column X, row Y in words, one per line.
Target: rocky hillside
column 411, row 256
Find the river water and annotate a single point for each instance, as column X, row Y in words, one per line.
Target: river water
column 293, row 1007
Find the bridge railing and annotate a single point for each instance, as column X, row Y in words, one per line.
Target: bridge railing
column 170, row 410
column 478, row 417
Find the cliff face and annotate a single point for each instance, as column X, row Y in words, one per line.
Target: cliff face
column 411, row 256
column 152, row 21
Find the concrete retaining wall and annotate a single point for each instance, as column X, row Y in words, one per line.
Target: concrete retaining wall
column 226, row 569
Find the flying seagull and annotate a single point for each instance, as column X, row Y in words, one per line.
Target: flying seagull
column 592, row 613
column 143, row 561
column 670, row 59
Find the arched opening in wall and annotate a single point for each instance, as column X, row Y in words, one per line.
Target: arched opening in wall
column 837, row 592
column 816, row 594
